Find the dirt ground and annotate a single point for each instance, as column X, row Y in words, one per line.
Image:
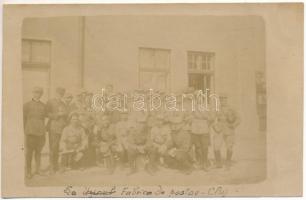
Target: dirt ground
column 249, row 166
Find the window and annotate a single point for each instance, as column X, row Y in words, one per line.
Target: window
column 154, row 68
column 36, row 61
column 36, row 51
column 201, row 70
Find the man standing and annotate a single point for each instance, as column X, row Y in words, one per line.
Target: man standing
column 228, row 120
column 57, row 115
column 200, row 137
column 79, row 101
column 121, row 138
column 68, row 99
column 34, row 114
column 178, row 155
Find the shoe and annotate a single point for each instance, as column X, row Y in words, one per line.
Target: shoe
column 150, row 171
column 218, row 165
column 51, row 172
column 228, row 164
column 39, row 173
column 111, row 171
column 197, row 166
column 187, row 172
column 100, row 164
column 29, row 176
column 62, row 170
column 205, row 169
column 132, row 171
column 227, row 168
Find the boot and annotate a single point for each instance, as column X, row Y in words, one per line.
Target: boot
column 206, row 161
column 132, row 171
column 109, row 165
column 38, row 170
column 133, row 168
column 229, row 154
column 218, row 159
column 29, row 174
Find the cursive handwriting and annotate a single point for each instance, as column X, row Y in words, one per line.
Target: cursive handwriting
column 100, row 192
column 138, row 191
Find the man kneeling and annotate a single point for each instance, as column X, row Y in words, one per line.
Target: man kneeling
column 72, row 144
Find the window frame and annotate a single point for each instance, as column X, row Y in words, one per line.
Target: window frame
column 210, row 72
column 166, row 71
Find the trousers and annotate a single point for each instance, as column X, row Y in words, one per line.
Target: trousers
column 34, row 145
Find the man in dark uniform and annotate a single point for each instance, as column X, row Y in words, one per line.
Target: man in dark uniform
column 34, row 114
column 57, row 114
column 87, row 122
column 79, row 101
column 70, row 106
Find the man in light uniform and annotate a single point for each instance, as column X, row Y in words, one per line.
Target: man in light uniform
column 200, row 137
column 73, row 142
column 227, row 121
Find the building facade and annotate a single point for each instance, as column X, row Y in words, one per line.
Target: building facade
column 168, row 53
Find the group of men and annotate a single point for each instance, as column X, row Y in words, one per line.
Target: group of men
column 79, row 137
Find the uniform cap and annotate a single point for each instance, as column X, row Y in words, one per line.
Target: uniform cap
column 60, row 90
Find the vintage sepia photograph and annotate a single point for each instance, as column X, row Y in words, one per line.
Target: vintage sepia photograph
column 181, row 98
column 68, row 61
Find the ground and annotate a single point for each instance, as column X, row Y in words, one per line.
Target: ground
column 249, row 167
